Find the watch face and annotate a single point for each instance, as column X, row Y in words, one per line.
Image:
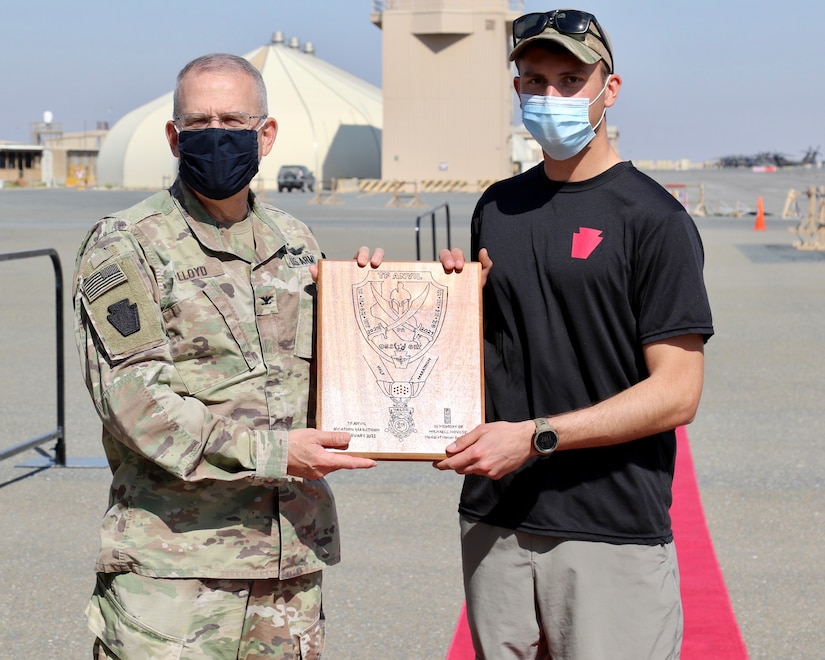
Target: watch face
column 546, row 441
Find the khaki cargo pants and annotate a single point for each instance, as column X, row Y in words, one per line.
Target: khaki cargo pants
column 136, row 617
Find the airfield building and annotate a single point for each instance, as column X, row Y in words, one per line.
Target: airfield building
column 448, row 99
column 329, row 121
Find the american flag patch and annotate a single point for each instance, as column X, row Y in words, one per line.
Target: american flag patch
column 103, row 280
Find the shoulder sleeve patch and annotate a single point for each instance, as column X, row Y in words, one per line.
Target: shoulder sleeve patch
column 121, row 308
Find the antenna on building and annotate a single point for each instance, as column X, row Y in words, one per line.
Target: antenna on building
column 46, row 129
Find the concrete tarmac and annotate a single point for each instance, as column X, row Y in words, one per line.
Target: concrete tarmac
column 397, row 593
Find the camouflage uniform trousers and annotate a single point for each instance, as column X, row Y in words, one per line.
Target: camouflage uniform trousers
column 136, row 617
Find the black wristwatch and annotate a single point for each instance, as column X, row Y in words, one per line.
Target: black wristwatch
column 546, row 438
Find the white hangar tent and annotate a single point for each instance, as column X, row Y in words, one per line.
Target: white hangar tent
column 328, row 120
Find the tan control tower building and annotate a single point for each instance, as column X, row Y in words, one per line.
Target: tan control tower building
column 447, row 84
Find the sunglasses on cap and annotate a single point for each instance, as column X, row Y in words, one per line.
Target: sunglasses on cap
column 563, row 21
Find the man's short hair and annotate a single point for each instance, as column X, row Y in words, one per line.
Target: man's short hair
column 222, row 62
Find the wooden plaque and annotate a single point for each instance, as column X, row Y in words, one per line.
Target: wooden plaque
column 400, row 362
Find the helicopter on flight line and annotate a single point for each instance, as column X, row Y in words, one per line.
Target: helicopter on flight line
column 769, row 159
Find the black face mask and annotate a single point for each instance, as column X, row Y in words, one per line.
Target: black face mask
column 216, row 162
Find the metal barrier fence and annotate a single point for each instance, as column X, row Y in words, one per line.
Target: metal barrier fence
column 58, row 433
column 431, row 213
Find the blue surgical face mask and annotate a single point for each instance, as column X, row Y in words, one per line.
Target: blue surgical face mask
column 561, row 125
column 216, row 162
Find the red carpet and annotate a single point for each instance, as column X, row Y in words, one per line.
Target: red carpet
column 711, row 631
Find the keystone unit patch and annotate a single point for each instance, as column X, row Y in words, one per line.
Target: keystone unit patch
column 124, row 316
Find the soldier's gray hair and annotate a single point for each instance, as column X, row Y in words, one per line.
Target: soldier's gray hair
column 223, row 62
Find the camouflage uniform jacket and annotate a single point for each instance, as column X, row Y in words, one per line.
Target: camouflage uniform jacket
column 198, row 363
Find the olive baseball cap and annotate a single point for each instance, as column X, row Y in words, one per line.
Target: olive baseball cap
column 588, row 47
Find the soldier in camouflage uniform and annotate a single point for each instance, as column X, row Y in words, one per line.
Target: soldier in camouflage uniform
column 194, row 320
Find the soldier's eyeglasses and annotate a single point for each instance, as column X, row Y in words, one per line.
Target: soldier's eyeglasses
column 232, row 121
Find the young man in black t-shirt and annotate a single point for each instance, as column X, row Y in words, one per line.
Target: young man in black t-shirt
column 595, row 317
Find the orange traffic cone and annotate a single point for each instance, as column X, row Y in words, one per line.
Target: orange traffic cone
column 760, row 216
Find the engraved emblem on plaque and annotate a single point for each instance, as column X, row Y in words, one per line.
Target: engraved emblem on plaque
column 400, row 315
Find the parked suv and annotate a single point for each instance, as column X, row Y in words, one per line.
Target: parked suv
column 291, row 177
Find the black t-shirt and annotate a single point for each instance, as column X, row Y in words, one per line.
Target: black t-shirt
column 584, row 275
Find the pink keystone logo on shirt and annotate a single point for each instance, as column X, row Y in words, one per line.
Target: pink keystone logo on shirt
column 585, row 241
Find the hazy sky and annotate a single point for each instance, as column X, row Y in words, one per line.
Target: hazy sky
column 701, row 79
